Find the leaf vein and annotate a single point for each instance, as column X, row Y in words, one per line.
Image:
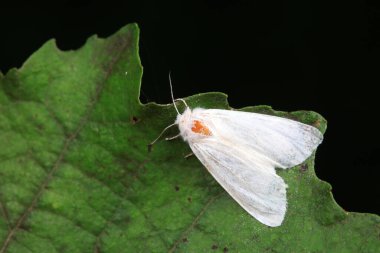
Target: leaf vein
column 42, row 238
column 109, row 221
column 194, row 223
column 68, row 141
column 4, row 213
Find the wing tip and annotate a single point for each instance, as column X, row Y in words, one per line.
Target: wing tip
column 274, row 220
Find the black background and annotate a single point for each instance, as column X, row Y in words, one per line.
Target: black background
column 297, row 55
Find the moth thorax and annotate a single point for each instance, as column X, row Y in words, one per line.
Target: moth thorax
column 199, row 128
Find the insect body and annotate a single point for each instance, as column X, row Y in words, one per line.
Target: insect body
column 241, row 151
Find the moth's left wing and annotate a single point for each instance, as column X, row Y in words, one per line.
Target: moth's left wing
column 251, row 181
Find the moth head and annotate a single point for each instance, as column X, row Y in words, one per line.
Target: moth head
column 190, row 127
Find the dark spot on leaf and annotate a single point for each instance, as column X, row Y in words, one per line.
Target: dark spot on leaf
column 225, row 249
column 150, row 147
column 304, row 167
column 317, row 123
column 134, row 120
column 185, row 239
column 292, row 116
column 25, row 227
column 214, row 247
column 176, row 188
column 62, row 249
column 255, row 237
column 189, row 199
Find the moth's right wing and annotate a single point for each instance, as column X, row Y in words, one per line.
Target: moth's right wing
column 283, row 142
column 252, row 182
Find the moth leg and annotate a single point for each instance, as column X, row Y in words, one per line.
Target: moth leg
column 188, row 155
column 150, row 145
column 172, row 138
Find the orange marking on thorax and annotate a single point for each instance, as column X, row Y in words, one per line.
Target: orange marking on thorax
column 199, row 128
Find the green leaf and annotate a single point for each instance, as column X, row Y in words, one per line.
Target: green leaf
column 75, row 174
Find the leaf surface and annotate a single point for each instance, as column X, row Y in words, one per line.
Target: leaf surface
column 75, row 174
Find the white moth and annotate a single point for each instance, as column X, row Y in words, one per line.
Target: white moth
column 241, row 151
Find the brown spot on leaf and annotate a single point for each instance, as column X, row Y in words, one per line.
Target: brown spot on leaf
column 225, row 250
column 25, row 227
column 134, row 120
column 214, row 247
column 176, row 188
column 184, row 239
column 189, row 199
column 304, row 167
column 317, row 123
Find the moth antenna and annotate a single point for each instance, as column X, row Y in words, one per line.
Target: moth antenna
column 182, row 100
column 171, row 92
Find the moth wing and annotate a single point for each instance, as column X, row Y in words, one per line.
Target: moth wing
column 252, row 182
column 283, row 142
